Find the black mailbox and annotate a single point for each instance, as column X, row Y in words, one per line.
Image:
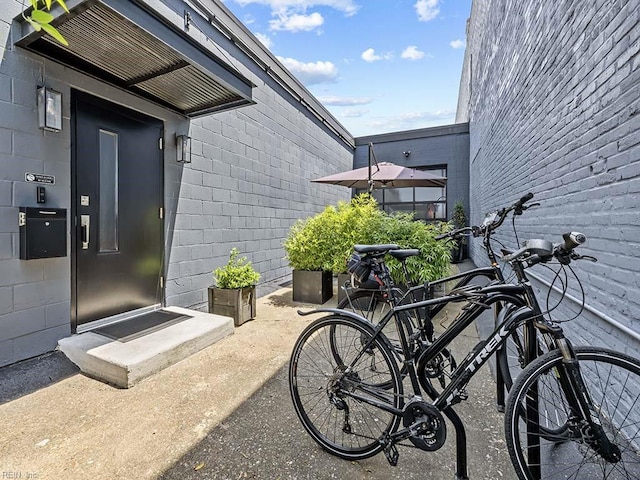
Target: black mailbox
column 43, row 232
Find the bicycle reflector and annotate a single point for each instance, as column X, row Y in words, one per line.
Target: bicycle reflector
column 358, row 267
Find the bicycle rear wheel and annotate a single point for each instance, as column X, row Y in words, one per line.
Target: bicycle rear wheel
column 613, row 384
column 372, row 305
column 335, row 377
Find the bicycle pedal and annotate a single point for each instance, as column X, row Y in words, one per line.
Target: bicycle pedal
column 391, row 452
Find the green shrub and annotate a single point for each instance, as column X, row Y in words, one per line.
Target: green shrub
column 435, row 256
column 311, row 241
column 357, row 222
column 237, row 273
column 326, row 240
column 459, row 218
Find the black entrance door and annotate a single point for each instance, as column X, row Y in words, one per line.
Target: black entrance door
column 117, row 194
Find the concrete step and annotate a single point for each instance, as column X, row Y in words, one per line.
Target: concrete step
column 124, row 363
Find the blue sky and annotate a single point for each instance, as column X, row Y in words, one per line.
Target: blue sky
column 377, row 65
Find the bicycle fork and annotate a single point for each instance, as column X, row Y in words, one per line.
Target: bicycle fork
column 583, row 409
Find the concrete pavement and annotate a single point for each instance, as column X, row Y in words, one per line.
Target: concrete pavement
column 223, row 413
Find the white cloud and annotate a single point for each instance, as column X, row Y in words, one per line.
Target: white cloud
column 370, row 55
column 416, row 117
column 412, row 53
column 354, row 112
column 427, row 9
column 336, row 101
column 296, row 22
column 265, row 40
column 407, row 121
column 348, row 7
column 311, row 73
column 457, row 43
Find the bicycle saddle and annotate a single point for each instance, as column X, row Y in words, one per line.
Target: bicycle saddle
column 405, row 253
column 375, row 248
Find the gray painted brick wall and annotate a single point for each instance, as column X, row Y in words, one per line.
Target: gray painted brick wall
column 248, row 183
column 551, row 92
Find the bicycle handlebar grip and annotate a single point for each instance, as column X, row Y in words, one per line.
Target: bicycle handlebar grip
column 571, row 241
column 523, row 200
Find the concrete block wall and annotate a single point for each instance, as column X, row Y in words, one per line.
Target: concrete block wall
column 250, row 178
column 34, row 294
column 248, row 183
column 551, row 93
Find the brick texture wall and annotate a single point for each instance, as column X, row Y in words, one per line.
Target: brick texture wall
column 551, row 91
column 249, row 181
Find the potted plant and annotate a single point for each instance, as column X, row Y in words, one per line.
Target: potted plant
column 357, row 223
column 459, row 220
column 309, row 248
column 234, row 293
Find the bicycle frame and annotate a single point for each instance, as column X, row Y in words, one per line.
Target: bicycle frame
column 465, row 371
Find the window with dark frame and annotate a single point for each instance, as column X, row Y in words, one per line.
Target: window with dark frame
column 428, row 203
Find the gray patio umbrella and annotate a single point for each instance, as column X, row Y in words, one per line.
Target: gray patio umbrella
column 384, row 174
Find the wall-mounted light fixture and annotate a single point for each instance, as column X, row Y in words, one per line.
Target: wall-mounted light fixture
column 183, row 149
column 49, row 109
column 406, row 153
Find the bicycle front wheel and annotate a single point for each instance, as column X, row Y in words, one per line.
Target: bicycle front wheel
column 612, row 380
column 345, row 386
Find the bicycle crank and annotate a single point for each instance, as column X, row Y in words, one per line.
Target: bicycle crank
column 425, row 424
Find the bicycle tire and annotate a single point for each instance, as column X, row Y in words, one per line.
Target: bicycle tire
column 613, row 383
column 321, row 387
column 511, row 358
column 372, row 305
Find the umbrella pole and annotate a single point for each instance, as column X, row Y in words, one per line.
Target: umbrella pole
column 369, row 181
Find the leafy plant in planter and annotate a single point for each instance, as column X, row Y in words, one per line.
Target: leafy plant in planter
column 403, row 230
column 309, row 249
column 459, row 220
column 356, row 223
column 234, row 293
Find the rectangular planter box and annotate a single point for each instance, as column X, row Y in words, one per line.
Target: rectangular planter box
column 239, row 304
column 312, row 286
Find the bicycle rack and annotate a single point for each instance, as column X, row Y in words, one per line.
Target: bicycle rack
column 461, row 438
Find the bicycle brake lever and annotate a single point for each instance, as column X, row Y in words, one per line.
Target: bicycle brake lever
column 575, row 256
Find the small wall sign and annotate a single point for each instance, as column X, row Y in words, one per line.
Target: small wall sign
column 39, row 178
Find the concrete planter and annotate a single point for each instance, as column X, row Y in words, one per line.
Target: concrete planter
column 239, row 304
column 312, row 286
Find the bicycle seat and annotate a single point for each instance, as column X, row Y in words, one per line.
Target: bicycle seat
column 375, row 248
column 406, row 253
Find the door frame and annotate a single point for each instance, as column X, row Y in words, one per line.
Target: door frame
column 76, row 96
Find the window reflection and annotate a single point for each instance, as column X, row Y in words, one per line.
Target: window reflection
column 427, row 203
column 108, row 210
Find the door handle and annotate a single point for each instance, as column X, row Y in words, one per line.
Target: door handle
column 85, row 221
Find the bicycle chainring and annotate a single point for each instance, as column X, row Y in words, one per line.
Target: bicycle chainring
column 427, row 425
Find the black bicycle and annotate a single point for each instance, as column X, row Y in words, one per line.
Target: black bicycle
column 376, row 294
column 572, row 413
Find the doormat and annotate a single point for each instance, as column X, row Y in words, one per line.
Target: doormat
column 142, row 325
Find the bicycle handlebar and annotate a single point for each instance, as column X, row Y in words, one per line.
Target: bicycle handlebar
column 500, row 216
column 541, row 251
column 524, row 199
column 571, row 241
